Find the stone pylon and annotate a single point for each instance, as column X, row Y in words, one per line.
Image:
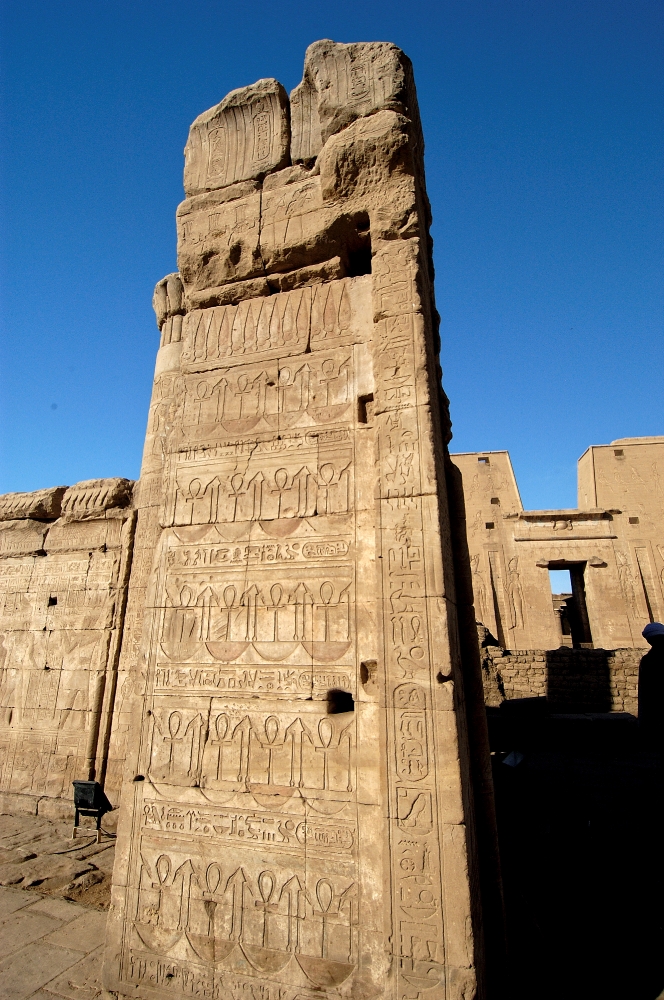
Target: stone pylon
column 297, row 815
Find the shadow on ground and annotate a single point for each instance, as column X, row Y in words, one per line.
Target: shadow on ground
column 581, row 846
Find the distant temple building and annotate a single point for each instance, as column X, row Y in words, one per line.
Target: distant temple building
column 612, row 545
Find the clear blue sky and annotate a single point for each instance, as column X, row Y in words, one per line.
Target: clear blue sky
column 543, row 126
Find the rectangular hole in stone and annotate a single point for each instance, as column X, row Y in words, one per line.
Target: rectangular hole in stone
column 359, row 247
column 359, row 261
column 365, row 408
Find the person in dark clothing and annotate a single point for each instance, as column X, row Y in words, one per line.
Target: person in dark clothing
column 651, row 688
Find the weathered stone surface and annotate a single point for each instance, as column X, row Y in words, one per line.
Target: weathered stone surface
column 42, row 505
column 345, row 82
column 247, row 135
column 38, row 853
column 48, row 946
column 297, row 793
column 219, row 246
column 22, row 538
column 91, row 498
column 372, row 154
column 62, row 595
column 611, row 544
column 168, row 298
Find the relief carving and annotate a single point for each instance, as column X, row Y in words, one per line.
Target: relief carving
column 210, row 912
column 244, row 136
column 293, row 825
column 270, row 326
column 306, row 391
column 515, row 593
column 208, row 494
column 275, row 619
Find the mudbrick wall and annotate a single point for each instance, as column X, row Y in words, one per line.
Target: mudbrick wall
column 572, row 680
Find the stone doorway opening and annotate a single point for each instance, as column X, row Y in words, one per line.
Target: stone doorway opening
column 569, row 603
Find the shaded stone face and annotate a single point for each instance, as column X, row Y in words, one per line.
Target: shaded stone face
column 294, row 816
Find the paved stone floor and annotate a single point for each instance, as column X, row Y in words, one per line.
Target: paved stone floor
column 54, row 893
column 51, row 948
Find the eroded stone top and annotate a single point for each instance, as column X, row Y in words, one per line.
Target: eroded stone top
column 344, row 82
column 246, row 135
column 41, row 505
column 93, row 496
column 256, row 130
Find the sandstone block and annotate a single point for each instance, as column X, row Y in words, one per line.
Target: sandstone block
column 42, row 505
column 365, row 155
column 345, row 82
column 298, row 229
column 168, row 298
column 247, row 135
column 219, row 246
column 290, row 693
column 92, row 497
column 22, row 538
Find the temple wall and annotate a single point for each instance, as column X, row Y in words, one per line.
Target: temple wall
column 265, row 649
column 615, row 538
column 64, row 567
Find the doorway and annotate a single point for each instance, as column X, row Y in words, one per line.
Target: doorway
column 568, row 592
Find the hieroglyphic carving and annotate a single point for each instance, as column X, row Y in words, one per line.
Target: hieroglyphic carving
column 274, row 618
column 244, row 136
column 271, row 327
column 416, row 835
column 294, row 792
column 304, row 391
column 205, row 910
column 215, row 747
column 254, row 828
column 344, row 82
column 294, row 474
column 61, row 612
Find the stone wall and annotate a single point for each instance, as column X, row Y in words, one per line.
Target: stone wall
column 64, row 566
column 572, row 680
column 612, row 546
column 298, row 810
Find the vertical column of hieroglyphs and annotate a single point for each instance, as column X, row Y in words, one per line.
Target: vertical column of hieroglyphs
column 292, row 819
column 168, row 303
column 64, row 561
